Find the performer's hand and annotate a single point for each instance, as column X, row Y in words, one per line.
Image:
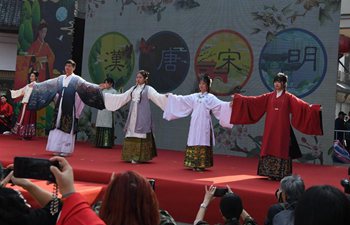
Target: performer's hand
column 231, row 103
column 102, row 86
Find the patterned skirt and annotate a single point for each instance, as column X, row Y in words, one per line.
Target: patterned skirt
column 26, row 128
column 139, row 149
column 104, row 137
column 274, row 167
column 198, row 156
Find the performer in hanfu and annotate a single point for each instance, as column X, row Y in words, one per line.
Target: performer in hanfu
column 105, row 120
column 26, row 121
column 201, row 105
column 279, row 145
column 139, row 145
column 69, row 92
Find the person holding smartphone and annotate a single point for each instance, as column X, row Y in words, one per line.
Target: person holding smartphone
column 14, row 209
column 231, row 208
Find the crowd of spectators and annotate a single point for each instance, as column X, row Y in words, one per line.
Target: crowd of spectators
column 130, row 199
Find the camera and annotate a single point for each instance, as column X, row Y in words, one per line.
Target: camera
column 34, row 168
column 219, row 192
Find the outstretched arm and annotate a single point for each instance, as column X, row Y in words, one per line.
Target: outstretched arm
column 178, row 106
column 248, row 110
column 43, row 93
column 114, row 102
column 159, row 99
column 90, row 94
column 305, row 117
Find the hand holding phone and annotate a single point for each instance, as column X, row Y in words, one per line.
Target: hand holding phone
column 34, row 168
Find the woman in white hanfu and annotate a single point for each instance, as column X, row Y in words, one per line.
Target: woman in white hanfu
column 200, row 142
column 139, row 145
column 26, row 121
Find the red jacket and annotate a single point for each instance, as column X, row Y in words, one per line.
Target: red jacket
column 76, row 211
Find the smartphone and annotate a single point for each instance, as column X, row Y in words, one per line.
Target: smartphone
column 152, row 182
column 34, row 168
column 219, row 192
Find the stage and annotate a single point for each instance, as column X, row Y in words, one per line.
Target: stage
column 179, row 190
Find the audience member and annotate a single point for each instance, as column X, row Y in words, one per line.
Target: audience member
column 290, row 190
column 130, row 200
column 323, row 205
column 75, row 210
column 231, row 208
column 14, row 209
column 339, row 124
column 6, row 112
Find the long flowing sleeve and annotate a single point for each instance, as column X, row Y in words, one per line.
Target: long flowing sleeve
column 159, row 99
column 178, row 106
column 90, row 94
column 114, row 102
column 306, row 118
column 221, row 111
column 248, row 110
column 43, row 93
column 17, row 93
column 79, row 106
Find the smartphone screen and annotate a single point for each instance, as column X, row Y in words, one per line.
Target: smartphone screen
column 33, row 168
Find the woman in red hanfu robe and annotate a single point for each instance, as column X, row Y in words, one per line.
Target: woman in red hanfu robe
column 278, row 139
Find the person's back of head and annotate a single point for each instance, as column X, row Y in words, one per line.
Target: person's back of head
column 231, row 208
column 293, row 187
column 130, row 199
column 323, row 205
column 13, row 208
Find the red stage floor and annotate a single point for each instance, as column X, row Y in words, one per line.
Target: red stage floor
column 179, row 190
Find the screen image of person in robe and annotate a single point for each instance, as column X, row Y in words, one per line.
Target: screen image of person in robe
column 105, row 120
column 201, row 105
column 6, row 112
column 26, row 121
column 69, row 93
column 42, row 57
column 283, row 109
column 139, row 144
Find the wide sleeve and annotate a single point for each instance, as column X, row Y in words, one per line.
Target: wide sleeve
column 159, row 99
column 178, row 106
column 306, row 118
column 43, row 93
column 248, row 110
column 221, row 111
column 18, row 93
column 79, row 106
column 114, row 102
column 76, row 211
column 90, row 94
